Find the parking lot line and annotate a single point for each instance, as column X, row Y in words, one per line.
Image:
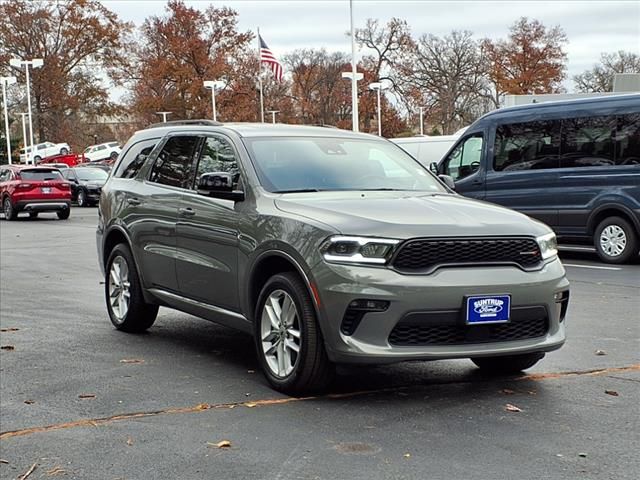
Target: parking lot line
column 595, row 267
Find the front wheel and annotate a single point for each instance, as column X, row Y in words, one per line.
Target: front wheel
column 82, row 199
column 64, row 151
column 615, row 240
column 37, row 159
column 508, row 364
column 125, row 303
column 10, row 213
column 288, row 340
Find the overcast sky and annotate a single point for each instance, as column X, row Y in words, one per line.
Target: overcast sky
column 592, row 27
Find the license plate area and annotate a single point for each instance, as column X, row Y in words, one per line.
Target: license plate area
column 487, row 309
column 46, row 189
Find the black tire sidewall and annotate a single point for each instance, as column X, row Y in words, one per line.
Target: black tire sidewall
column 631, row 248
column 83, row 196
column 11, row 215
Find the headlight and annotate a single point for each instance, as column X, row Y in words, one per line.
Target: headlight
column 548, row 245
column 376, row 251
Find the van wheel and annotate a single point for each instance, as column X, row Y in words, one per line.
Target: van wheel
column 508, row 363
column 126, row 306
column 288, row 340
column 615, row 240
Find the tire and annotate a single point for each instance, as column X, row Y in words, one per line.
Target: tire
column 82, row 198
column 508, row 364
column 301, row 372
column 113, row 156
column 64, row 151
column 615, row 240
column 133, row 315
column 10, row 212
column 33, row 214
column 63, row 214
column 37, row 159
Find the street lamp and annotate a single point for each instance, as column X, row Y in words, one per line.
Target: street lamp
column 24, row 133
column 354, row 98
column 164, row 116
column 35, row 63
column 378, row 87
column 213, row 84
column 273, row 115
column 6, row 81
column 354, row 74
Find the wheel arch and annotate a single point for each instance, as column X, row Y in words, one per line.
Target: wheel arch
column 611, row 210
column 115, row 236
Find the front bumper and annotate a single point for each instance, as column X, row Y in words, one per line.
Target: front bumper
column 441, row 291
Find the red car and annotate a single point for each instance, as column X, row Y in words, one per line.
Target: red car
column 71, row 159
column 33, row 190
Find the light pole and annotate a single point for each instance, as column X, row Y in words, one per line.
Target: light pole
column 378, row 87
column 6, row 81
column 164, row 116
column 421, row 121
column 35, row 63
column 213, row 84
column 354, row 106
column 273, row 115
column 354, row 79
column 24, row 133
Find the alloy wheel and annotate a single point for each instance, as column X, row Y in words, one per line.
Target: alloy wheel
column 280, row 333
column 613, row 240
column 119, row 288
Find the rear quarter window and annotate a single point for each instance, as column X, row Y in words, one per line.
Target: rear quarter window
column 133, row 159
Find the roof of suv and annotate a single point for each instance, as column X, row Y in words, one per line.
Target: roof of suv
column 258, row 129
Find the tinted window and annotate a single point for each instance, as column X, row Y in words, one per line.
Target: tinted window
column 218, row 156
column 324, row 163
column 174, row 163
column 135, row 157
column 465, row 158
column 87, row 174
column 527, row 146
column 587, row 142
column 40, row 175
column 628, row 140
column 68, row 174
column 5, row 175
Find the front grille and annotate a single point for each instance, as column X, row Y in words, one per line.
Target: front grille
column 428, row 254
column 417, row 330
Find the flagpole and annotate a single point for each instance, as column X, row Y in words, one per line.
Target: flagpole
column 260, row 78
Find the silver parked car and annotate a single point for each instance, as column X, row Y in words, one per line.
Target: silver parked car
column 328, row 246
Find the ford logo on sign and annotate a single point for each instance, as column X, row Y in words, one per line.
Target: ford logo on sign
column 488, row 306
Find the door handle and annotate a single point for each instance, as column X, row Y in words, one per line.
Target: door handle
column 187, row 212
column 133, row 201
column 477, row 182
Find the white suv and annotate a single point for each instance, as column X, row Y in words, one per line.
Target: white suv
column 43, row 150
column 109, row 150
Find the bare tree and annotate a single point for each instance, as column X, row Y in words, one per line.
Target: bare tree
column 600, row 77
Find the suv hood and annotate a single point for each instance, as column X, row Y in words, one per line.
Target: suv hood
column 408, row 215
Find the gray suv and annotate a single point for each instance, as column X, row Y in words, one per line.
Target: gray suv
column 328, row 247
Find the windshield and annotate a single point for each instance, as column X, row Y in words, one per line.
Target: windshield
column 40, row 175
column 294, row 164
column 91, row 174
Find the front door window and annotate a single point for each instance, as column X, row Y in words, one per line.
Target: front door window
column 464, row 160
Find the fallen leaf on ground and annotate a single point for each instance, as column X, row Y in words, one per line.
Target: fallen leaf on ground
column 28, row 472
column 2, row 460
column 56, row 471
column 407, row 455
column 7, row 347
column 583, row 455
column 131, row 360
column 221, row 444
column 507, row 391
column 250, row 405
column 613, row 393
column 600, row 352
column 11, row 329
column 203, row 406
column 129, row 441
column 29, row 402
column 86, row 395
column 512, row 408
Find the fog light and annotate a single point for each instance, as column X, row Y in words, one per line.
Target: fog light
column 369, row 305
column 561, row 296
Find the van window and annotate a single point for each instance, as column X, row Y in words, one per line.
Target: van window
column 527, row 146
column 628, row 140
column 588, row 142
column 464, row 160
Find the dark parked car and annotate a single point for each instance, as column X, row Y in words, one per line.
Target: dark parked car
column 328, row 246
column 86, row 184
column 575, row 165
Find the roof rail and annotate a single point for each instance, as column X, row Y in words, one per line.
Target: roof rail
column 174, row 123
column 325, row 125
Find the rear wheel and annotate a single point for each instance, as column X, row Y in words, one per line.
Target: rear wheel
column 508, row 363
column 37, row 159
column 615, row 240
column 126, row 306
column 63, row 214
column 64, row 151
column 10, row 212
column 288, row 340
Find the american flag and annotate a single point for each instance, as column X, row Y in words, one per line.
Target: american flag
column 266, row 56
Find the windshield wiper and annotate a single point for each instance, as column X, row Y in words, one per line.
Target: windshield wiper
column 299, row 190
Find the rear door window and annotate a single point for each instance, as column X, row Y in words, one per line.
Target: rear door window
column 588, row 142
column 174, row 164
column 527, row 146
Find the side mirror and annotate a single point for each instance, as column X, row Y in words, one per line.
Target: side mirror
column 219, row 185
column 433, row 166
column 448, row 181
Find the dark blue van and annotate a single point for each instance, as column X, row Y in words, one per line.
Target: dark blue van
column 574, row 165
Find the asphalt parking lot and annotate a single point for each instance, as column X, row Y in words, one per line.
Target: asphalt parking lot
column 81, row 400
